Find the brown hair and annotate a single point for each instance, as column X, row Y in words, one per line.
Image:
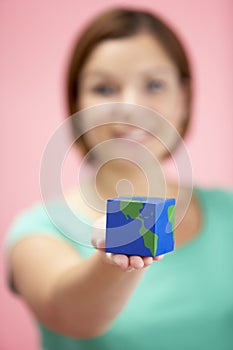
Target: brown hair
column 120, row 23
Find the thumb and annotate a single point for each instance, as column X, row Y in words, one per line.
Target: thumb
column 98, row 233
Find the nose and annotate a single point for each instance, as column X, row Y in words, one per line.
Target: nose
column 130, row 96
column 127, row 110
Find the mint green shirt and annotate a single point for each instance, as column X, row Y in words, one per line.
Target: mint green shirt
column 183, row 302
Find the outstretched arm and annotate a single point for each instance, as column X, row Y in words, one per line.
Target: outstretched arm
column 69, row 295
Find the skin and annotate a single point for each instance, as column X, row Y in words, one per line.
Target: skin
column 150, row 80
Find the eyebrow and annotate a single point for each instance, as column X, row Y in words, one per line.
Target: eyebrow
column 147, row 71
column 94, row 73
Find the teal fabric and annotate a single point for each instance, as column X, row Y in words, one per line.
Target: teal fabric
column 184, row 301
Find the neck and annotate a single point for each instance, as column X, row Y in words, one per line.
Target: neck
column 124, row 178
column 91, row 195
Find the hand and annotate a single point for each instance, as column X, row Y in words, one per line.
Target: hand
column 125, row 262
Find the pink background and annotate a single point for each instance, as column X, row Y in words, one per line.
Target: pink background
column 36, row 37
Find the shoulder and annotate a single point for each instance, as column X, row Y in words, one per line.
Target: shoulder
column 217, row 206
column 55, row 219
column 216, row 197
column 33, row 218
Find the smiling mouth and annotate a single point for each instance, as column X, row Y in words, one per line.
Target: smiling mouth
column 137, row 135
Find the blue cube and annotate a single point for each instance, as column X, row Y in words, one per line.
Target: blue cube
column 141, row 226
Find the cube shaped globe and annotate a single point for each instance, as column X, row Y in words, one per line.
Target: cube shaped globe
column 141, row 226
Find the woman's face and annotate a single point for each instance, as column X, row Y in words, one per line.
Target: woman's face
column 135, row 70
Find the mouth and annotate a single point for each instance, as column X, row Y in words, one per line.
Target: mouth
column 137, row 135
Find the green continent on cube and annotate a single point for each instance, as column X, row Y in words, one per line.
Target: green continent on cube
column 141, row 226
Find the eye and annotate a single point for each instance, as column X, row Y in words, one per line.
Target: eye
column 104, row 90
column 155, row 85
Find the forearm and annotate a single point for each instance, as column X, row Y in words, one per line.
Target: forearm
column 87, row 297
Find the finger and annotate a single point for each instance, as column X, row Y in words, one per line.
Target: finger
column 159, row 257
column 136, row 262
column 148, row 260
column 98, row 233
column 130, row 268
column 121, row 260
column 98, row 243
column 100, row 223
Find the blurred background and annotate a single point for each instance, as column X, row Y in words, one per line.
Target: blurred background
column 36, row 39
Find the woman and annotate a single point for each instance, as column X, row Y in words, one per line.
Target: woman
column 84, row 299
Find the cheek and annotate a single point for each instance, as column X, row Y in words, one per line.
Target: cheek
column 88, row 99
column 96, row 136
column 85, row 100
column 171, row 107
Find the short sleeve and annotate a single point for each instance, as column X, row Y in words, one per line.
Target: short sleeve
column 28, row 222
column 32, row 220
column 35, row 220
